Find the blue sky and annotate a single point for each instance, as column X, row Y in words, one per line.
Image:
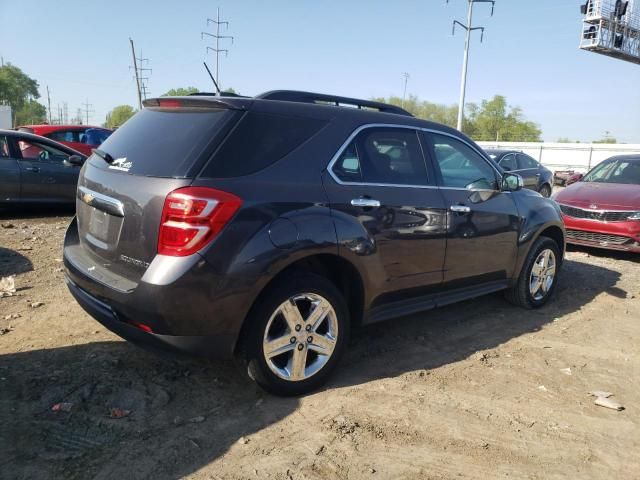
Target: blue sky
column 80, row 49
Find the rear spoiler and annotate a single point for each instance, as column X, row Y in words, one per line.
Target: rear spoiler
column 195, row 102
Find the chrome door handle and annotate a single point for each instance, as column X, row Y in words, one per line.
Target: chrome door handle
column 365, row 202
column 32, row 169
column 460, row 209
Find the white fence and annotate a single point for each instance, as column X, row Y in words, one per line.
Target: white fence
column 567, row 156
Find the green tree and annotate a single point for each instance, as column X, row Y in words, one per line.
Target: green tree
column 181, row 92
column 19, row 91
column 445, row 114
column 496, row 120
column 31, row 113
column 566, row 140
column 119, row 115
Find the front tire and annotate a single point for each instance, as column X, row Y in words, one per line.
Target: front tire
column 539, row 275
column 298, row 332
column 545, row 191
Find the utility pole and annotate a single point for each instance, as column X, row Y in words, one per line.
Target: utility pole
column 467, row 42
column 49, row 104
column 135, row 68
column 217, row 22
column 405, row 75
column 87, row 109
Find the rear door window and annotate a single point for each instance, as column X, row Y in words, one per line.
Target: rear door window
column 387, row 156
column 160, row 142
column 525, row 162
column 260, row 140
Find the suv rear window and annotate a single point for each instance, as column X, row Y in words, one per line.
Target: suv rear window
column 260, row 140
column 162, row 142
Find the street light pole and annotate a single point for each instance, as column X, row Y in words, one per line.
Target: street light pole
column 465, row 63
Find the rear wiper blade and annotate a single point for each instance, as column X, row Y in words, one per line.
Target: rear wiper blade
column 103, row 155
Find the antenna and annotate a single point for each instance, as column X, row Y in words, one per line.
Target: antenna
column 467, row 42
column 217, row 50
column 215, row 84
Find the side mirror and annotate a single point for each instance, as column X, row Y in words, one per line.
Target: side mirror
column 576, row 177
column 512, row 182
column 73, row 161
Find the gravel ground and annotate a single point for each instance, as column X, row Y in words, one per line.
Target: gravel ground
column 480, row 389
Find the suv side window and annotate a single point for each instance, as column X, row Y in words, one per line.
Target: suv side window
column 525, row 161
column 508, row 162
column 383, row 155
column 258, row 141
column 461, row 166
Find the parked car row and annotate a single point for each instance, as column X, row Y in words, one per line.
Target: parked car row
column 41, row 163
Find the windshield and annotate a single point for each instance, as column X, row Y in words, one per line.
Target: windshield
column 615, row 171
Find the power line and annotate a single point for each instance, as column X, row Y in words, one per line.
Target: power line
column 217, row 50
column 467, row 42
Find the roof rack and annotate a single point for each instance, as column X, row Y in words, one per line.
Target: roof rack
column 323, row 99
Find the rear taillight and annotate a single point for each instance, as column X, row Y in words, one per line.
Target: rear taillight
column 192, row 217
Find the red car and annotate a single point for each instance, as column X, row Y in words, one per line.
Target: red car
column 82, row 138
column 602, row 209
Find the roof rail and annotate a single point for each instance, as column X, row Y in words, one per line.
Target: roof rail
column 323, row 99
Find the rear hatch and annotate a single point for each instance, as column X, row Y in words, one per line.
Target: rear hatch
column 123, row 186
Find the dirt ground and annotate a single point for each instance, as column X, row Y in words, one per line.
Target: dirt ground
column 476, row 390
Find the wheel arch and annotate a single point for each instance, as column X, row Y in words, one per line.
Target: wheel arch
column 342, row 273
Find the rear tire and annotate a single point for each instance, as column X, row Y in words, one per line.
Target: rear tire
column 535, row 286
column 298, row 332
column 545, row 191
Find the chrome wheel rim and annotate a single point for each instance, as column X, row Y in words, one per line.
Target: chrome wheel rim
column 543, row 274
column 300, row 337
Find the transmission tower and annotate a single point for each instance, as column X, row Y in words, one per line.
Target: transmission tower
column 87, row 110
column 406, row 76
column 139, row 71
column 217, row 50
column 468, row 27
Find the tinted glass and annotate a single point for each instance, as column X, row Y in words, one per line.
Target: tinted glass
column 525, row 161
column 162, row 142
column 260, row 140
column 4, row 147
column 461, row 166
column 508, row 162
column 383, row 155
column 65, row 135
column 347, row 167
column 40, row 152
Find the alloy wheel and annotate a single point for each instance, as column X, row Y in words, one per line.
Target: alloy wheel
column 543, row 274
column 300, row 337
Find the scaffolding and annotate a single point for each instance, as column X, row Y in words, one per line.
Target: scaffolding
column 612, row 28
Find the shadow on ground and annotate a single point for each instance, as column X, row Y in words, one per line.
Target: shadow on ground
column 13, row 263
column 44, row 212
column 185, row 414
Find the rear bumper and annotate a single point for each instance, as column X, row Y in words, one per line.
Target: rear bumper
column 621, row 236
column 217, row 346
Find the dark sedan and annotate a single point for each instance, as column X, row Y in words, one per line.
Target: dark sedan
column 535, row 176
column 34, row 169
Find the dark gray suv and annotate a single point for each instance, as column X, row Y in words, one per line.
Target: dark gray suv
column 268, row 227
